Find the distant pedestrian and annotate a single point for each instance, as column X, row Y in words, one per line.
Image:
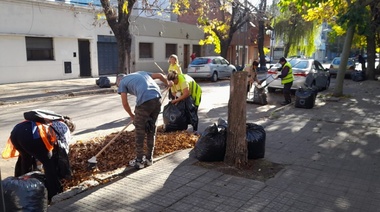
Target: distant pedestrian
column 193, row 56
column 174, row 64
column 361, row 60
column 148, row 105
column 287, row 79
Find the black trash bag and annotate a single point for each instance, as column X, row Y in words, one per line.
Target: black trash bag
column 358, row 76
column 255, row 137
column 305, row 97
column 26, row 193
column 174, row 116
column 211, row 146
column 42, row 116
column 104, row 82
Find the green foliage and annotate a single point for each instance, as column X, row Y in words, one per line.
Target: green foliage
column 300, row 34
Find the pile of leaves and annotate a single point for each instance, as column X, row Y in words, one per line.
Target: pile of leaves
column 119, row 153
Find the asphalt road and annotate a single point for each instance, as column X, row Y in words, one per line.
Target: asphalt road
column 102, row 114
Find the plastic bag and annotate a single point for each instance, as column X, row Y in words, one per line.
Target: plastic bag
column 255, row 136
column 25, row 193
column 211, row 146
column 174, row 116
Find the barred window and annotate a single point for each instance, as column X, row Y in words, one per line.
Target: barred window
column 38, row 48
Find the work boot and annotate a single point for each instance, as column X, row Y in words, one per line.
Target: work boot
column 138, row 164
column 286, row 102
column 149, row 162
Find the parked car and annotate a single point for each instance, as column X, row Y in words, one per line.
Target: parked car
column 212, row 67
column 334, row 67
column 306, row 72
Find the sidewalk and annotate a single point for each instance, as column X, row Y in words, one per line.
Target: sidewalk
column 36, row 91
column 331, row 156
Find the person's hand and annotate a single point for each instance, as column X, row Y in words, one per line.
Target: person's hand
column 170, row 83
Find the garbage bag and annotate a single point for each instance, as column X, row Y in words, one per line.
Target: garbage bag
column 255, row 136
column 211, row 146
column 104, row 82
column 26, row 193
column 174, row 116
column 305, row 98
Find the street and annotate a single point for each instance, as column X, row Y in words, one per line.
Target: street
column 99, row 115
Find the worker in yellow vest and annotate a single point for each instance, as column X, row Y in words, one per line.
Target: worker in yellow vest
column 287, row 79
column 183, row 87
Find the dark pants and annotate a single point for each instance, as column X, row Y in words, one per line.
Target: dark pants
column 148, row 111
column 286, row 92
column 31, row 149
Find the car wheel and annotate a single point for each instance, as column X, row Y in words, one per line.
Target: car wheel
column 214, row 77
column 327, row 84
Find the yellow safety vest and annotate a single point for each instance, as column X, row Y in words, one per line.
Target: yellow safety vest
column 194, row 89
column 289, row 77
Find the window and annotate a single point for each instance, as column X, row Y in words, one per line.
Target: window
column 170, row 49
column 39, row 48
column 146, row 50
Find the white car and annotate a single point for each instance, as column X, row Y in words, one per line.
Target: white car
column 212, row 67
column 306, row 72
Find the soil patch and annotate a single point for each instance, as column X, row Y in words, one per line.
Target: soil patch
column 259, row 169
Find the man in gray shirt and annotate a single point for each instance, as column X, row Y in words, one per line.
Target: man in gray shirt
column 148, row 105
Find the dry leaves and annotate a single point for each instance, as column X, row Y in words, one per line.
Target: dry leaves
column 118, row 154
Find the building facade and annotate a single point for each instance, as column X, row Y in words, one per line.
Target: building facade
column 52, row 40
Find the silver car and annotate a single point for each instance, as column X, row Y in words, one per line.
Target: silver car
column 306, row 72
column 212, row 67
column 334, row 67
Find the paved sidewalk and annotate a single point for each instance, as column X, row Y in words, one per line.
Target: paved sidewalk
column 331, row 155
column 36, row 91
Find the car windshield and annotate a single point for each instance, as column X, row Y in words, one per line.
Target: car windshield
column 301, row 65
column 336, row 61
column 199, row 61
column 293, row 62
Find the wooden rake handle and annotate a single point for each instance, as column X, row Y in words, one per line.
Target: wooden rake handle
column 113, row 140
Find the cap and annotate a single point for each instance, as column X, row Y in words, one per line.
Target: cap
column 282, row 59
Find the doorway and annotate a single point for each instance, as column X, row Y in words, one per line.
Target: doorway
column 84, row 58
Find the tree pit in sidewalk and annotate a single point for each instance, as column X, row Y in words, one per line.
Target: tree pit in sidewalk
column 256, row 169
column 118, row 154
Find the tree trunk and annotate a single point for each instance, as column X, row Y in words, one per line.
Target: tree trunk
column 371, row 50
column 224, row 44
column 118, row 22
column 286, row 49
column 236, row 148
column 338, row 90
column 261, row 45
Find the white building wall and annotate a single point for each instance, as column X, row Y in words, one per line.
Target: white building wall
column 66, row 24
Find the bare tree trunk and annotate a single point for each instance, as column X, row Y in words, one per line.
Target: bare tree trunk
column 371, row 50
column 119, row 23
column 262, row 10
column 286, row 49
column 261, row 45
column 338, row 90
column 236, row 148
